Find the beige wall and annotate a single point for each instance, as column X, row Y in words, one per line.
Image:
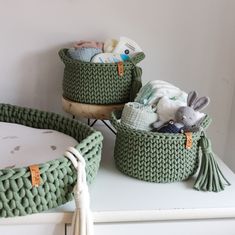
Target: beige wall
column 230, row 143
column 189, row 43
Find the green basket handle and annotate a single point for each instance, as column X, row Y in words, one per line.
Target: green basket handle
column 137, row 74
column 205, row 122
column 136, row 82
column 115, row 115
column 65, row 58
column 137, row 58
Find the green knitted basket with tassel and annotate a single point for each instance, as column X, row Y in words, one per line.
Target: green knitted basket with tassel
column 163, row 157
column 18, row 196
column 97, row 83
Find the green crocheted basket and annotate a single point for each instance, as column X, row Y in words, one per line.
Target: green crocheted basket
column 97, row 83
column 17, row 195
column 155, row 157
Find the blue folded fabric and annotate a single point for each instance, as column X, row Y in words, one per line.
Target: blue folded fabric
column 83, row 54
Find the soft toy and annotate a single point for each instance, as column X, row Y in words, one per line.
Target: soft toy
column 166, row 109
column 186, row 117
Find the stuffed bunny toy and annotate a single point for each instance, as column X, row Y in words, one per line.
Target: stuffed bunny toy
column 186, row 117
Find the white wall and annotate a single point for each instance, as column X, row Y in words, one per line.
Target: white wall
column 189, row 43
column 230, row 146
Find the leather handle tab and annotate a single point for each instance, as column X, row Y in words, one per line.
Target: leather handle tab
column 35, row 175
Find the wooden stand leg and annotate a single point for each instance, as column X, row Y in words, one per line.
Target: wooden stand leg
column 91, row 111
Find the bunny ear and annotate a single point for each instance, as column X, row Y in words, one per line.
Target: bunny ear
column 192, row 97
column 201, row 103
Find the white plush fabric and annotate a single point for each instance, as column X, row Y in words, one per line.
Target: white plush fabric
column 166, row 108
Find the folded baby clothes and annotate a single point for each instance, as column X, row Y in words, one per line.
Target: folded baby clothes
column 154, row 90
column 109, row 58
column 138, row 116
column 109, row 45
column 89, row 44
column 83, row 54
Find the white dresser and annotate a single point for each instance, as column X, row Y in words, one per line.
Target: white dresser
column 124, row 205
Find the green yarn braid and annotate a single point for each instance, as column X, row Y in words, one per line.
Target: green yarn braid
column 136, row 83
column 17, row 195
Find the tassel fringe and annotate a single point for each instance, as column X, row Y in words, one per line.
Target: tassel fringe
column 82, row 222
column 210, row 177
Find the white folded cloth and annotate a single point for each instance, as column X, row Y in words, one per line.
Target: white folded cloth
column 154, row 90
column 138, row 116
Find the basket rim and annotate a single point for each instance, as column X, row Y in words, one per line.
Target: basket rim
column 92, row 135
column 173, row 136
column 19, row 197
column 66, row 59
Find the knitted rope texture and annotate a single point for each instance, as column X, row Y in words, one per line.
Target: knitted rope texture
column 97, row 83
column 17, row 195
column 155, row 157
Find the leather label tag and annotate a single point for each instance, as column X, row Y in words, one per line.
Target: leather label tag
column 35, row 175
column 189, row 140
column 120, row 69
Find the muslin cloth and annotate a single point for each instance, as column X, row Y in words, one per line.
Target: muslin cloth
column 154, row 90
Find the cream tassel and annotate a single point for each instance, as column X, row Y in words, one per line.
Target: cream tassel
column 82, row 222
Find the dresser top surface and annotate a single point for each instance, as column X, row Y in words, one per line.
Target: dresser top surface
column 114, row 191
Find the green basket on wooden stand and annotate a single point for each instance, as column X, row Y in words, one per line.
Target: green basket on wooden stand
column 101, row 83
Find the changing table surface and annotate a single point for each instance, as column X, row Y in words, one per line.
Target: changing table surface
column 114, row 191
column 22, row 146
